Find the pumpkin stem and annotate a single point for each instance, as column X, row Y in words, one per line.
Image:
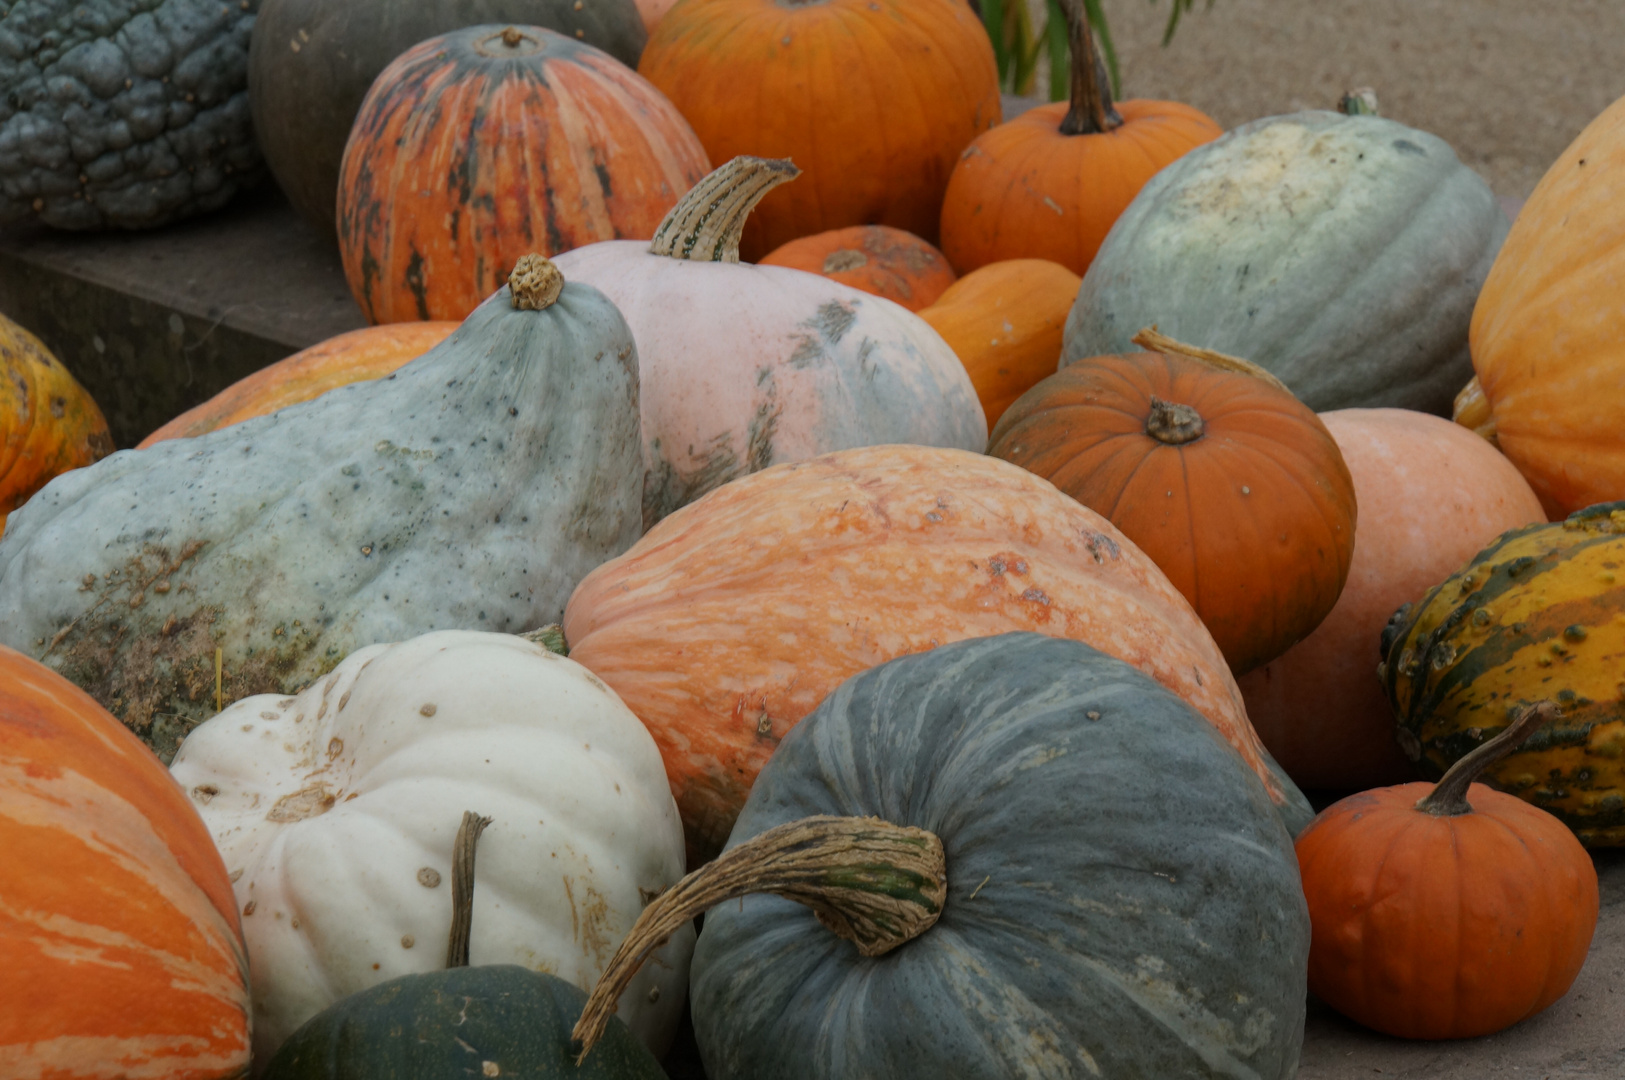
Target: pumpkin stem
column 1173, row 423
column 873, row 883
column 549, row 637
column 462, row 887
column 1092, row 111
column 707, row 223
column 1449, row 796
column 1361, row 101
column 1472, row 409
column 1153, row 341
column 535, row 283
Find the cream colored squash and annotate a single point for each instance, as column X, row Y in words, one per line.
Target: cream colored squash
column 335, row 811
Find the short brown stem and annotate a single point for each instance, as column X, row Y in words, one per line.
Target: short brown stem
column 1092, row 110
column 707, row 223
column 873, row 883
column 535, row 283
column 1150, row 339
column 462, row 887
column 1173, row 423
column 1449, row 796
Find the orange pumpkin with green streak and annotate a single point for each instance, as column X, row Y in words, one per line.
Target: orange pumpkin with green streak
column 1538, row 614
column 48, row 424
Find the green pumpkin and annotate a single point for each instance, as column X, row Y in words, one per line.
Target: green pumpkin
column 312, row 62
column 1122, row 899
column 1341, row 253
column 501, row 1020
column 1537, row 615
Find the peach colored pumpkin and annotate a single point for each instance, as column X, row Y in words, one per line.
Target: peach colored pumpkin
column 1431, row 494
column 733, row 618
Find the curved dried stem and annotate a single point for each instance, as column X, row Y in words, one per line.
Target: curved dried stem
column 462, row 887
column 1449, row 796
column 1092, row 111
column 1154, row 341
column 707, row 223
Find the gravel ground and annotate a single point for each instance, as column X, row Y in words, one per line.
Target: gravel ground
column 1508, row 83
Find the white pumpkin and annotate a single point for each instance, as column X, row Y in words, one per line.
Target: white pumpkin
column 335, row 811
column 742, row 367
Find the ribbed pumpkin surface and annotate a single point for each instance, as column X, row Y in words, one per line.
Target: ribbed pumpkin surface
column 119, row 942
column 735, row 616
column 357, row 356
column 483, row 145
column 1538, row 614
column 48, row 424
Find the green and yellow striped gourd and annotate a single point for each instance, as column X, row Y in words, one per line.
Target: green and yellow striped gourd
column 1539, row 614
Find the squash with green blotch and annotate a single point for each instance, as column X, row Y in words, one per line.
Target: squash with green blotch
column 1536, row 615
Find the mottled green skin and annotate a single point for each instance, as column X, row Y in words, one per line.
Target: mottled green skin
column 459, row 1023
column 1122, row 896
column 1342, row 253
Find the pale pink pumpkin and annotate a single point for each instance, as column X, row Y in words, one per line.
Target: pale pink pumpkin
column 742, row 367
column 1431, row 495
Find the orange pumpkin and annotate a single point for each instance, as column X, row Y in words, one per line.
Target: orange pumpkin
column 1446, row 912
column 348, row 358
column 1431, row 494
column 119, row 937
column 1231, row 485
column 1051, row 183
column 1005, row 322
column 480, row 146
column 875, row 258
column 873, row 99
column 736, row 615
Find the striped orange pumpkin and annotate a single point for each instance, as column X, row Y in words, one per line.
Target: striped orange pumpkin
column 120, row 949
column 480, row 146
column 359, row 355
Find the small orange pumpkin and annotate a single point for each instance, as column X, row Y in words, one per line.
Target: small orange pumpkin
column 1005, row 322
column 1448, row 911
column 1231, row 484
column 48, row 424
column 872, row 99
column 119, row 936
column 1051, row 183
column 370, row 353
column 480, row 146
column 875, row 258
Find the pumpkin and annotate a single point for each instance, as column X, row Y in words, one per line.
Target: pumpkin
column 1050, row 183
column 513, row 1021
column 48, row 423
column 747, row 366
column 733, row 618
column 312, row 62
column 357, row 356
column 1446, row 912
column 1546, row 335
column 1052, row 867
column 1004, row 321
column 1228, row 482
column 775, row 79
column 253, row 559
column 1534, row 615
column 118, row 935
column 877, row 259
column 1430, row 495
column 1340, row 252
column 124, row 115
column 335, row 810
column 480, row 145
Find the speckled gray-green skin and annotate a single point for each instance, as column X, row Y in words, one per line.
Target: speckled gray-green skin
column 471, row 489
column 1123, row 901
column 1343, row 253
column 123, row 113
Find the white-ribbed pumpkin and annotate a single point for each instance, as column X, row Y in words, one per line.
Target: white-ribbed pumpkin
column 335, row 811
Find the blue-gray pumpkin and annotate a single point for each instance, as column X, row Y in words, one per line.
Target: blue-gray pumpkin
column 123, row 113
column 1342, row 253
column 1122, row 899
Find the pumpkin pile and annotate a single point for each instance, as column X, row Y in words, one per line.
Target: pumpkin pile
column 690, row 540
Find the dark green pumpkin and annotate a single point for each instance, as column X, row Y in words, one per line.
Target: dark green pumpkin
column 312, row 62
column 1122, row 900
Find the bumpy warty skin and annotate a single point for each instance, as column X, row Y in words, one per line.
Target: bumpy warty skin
column 472, row 489
column 124, row 113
